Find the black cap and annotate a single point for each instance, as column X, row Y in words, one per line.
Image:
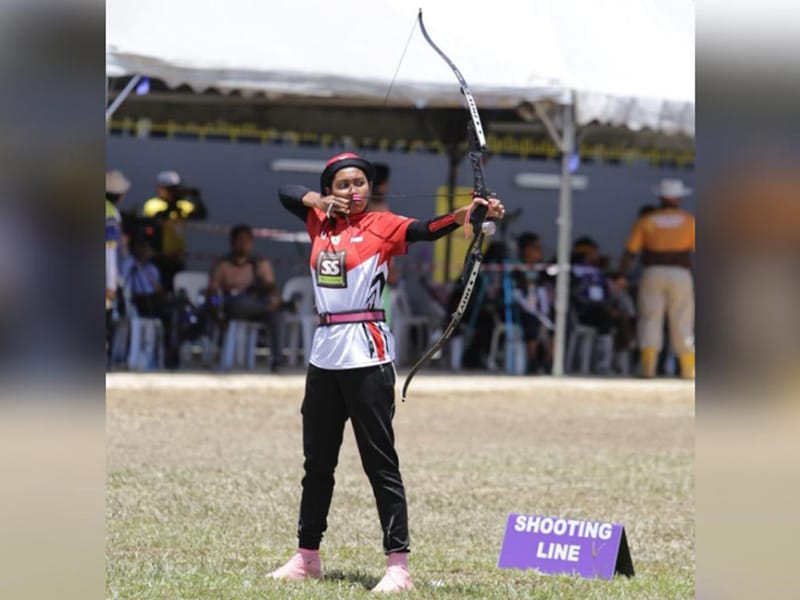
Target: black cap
column 342, row 161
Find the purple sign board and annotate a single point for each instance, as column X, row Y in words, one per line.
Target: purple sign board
column 555, row 545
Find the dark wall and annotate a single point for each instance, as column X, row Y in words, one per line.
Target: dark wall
column 238, row 185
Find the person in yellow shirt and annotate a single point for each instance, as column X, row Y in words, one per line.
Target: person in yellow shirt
column 171, row 209
column 665, row 238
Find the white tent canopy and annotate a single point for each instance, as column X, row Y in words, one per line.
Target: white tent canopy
column 628, row 62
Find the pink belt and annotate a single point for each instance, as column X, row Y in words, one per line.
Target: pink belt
column 351, row 316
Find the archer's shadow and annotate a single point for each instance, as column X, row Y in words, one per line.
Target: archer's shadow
column 366, row 581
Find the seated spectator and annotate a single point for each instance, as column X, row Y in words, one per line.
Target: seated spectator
column 533, row 302
column 248, row 289
column 151, row 300
column 143, row 280
column 590, row 294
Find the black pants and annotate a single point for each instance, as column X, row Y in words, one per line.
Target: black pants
column 366, row 396
column 168, row 266
column 595, row 315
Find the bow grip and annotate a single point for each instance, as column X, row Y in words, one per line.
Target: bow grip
column 479, row 189
column 477, row 217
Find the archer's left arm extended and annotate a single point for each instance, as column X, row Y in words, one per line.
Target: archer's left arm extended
column 440, row 226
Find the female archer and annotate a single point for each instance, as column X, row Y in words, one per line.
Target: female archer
column 351, row 373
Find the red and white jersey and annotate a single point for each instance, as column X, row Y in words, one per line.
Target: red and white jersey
column 349, row 266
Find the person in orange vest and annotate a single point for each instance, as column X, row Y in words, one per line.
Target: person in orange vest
column 665, row 238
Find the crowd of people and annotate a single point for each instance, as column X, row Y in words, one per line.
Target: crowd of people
column 627, row 309
column 144, row 251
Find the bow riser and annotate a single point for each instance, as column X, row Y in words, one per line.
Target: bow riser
column 480, row 189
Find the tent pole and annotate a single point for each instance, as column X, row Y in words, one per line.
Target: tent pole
column 564, row 241
column 121, row 97
column 548, row 124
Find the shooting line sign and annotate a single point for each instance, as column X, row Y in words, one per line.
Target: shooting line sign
column 554, row 545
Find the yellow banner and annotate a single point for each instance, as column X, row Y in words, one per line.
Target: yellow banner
column 458, row 244
column 507, row 145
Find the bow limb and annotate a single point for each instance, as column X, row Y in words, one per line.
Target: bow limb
column 473, row 108
column 477, row 139
column 474, row 266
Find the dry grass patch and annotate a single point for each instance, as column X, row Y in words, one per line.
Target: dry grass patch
column 203, row 490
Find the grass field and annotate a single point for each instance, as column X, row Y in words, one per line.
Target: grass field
column 204, row 483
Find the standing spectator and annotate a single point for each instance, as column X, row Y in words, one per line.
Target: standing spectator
column 665, row 238
column 533, row 299
column 116, row 187
column 195, row 197
column 169, row 209
column 249, row 290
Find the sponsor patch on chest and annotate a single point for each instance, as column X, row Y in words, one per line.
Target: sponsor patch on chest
column 331, row 269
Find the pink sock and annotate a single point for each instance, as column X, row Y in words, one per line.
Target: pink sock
column 308, row 554
column 397, row 559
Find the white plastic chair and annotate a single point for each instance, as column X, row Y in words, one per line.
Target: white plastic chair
column 581, row 338
column 622, row 359
column 497, row 350
column 301, row 323
column 403, row 323
column 146, row 350
column 239, row 345
column 194, row 283
column 596, row 351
